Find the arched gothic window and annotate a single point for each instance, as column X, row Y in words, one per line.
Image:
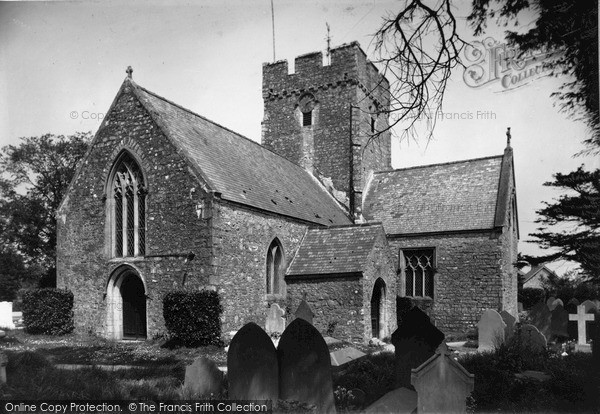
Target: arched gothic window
column 275, row 268
column 129, row 208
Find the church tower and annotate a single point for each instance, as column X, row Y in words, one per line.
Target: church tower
column 330, row 119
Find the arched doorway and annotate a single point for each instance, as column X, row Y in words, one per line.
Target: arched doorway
column 126, row 305
column 134, row 307
column 378, row 310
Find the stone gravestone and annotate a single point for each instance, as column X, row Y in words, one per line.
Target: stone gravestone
column 491, row 330
column 6, row 315
column 596, row 341
column 556, row 303
column 3, row 363
column 275, row 322
column 442, row 384
column 305, row 367
column 415, row 341
column 541, row 317
column 203, row 378
column 572, row 326
column 559, row 322
column 531, row 338
column 304, row 312
column 572, row 302
column 510, row 322
column 582, row 317
column 252, row 368
column 550, row 302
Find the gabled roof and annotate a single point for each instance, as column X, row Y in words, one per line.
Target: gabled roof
column 455, row 196
column 535, row 271
column 335, row 250
column 241, row 170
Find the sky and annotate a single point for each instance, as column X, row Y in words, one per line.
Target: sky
column 61, row 64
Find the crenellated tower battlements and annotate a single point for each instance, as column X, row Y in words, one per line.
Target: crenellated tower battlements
column 331, row 119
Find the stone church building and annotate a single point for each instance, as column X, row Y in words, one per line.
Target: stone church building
column 166, row 199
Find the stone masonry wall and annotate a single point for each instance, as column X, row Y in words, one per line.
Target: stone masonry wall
column 337, row 303
column 380, row 265
column 84, row 249
column 241, row 240
column 469, row 277
column 346, row 92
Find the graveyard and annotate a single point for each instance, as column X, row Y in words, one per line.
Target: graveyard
column 542, row 363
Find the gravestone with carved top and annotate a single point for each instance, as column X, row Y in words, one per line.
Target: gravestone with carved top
column 275, row 322
column 442, row 384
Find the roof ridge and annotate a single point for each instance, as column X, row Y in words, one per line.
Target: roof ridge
column 340, row 226
column 216, row 124
column 437, row 164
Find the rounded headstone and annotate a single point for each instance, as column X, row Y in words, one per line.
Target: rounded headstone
column 531, row 338
column 203, row 378
column 305, row 367
column 491, row 330
column 252, row 367
column 2, row 334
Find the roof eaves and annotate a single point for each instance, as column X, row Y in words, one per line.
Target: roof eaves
column 503, row 193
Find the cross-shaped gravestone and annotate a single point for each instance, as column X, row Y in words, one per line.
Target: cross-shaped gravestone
column 581, row 318
column 304, row 312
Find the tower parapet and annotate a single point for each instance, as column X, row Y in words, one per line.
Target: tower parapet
column 330, row 119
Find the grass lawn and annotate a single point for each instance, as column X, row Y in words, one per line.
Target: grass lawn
column 573, row 386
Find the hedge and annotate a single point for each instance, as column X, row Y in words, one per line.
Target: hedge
column 48, row 311
column 193, row 318
column 531, row 296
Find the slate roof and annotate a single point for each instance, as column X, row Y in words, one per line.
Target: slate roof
column 240, row 169
column 454, row 196
column 335, row 250
column 535, row 271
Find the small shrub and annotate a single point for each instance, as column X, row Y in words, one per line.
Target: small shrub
column 193, row 318
column 48, row 311
column 531, row 296
column 373, row 374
